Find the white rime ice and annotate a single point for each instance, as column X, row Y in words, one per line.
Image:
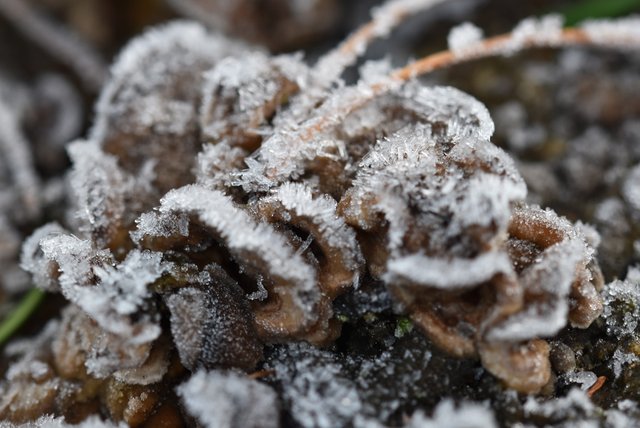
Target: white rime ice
column 622, row 305
column 230, row 400
column 119, row 293
column 463, row 37
column 447, row 413
column 623, row 32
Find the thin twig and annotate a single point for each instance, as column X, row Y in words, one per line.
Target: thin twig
column 261, row 373
column 384, row 19
column 596, row 386
column 494, row 46
column 296, row 139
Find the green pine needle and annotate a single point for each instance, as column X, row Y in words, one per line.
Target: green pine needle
column 20, row 314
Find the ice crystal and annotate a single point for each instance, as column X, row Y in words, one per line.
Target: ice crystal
column 120, row 291
column 147, row 92
column 584, row 378
column 576, row 404
column 622, row 32
column 230, row 400
column 463, row 37
column 622, row 305
column 352, row 390
column 544, row 31
column 621, row 359
column 465, row 415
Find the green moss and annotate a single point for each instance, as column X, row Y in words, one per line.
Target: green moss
column 403, row 327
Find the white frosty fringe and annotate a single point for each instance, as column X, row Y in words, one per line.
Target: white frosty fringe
column 553, row 273
column 98, row 184
column 575, row 404
column 627, row 295
column 33, row 261
column 119, row 293
column 254, row 80
column 447, row 274
column 321, row 211
column 543, row 31
column 284, row 154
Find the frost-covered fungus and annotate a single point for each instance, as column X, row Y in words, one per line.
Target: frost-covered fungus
column 241, row 94
column 127, row 394
column 435, row 212
column 558, row 280
column 147, row 113
column 433, row 201
column 277, row 24
column 327, row 242
column 329, row 158
column 548, row 249
column 212, row 325
column 115, row 298
column 286, row 300
column 432, row 187
column 29, row 387
column 219, row 399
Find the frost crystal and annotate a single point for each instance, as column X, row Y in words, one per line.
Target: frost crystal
column 33, row 260
column 621, row 359
column 585, row 378
column 120, row 292
column 152, row 99
column 463, row 38
column 622, row 305
column 338, row 241
column 446, row 413
column 241, row 94
column 624, row 32
column 230, row 400
column 326, row 391
column 546, row 30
